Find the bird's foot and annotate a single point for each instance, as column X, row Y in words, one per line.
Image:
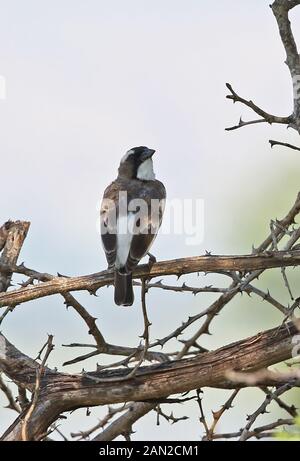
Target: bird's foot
column 151, row 261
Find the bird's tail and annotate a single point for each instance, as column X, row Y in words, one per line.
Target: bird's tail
column 123, row 289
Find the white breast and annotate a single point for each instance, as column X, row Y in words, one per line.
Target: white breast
column 145, row 170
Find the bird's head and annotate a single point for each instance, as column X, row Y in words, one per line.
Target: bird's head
column 137, row 164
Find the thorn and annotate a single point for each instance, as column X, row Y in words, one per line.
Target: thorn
column 93, row 291
column 254, row 250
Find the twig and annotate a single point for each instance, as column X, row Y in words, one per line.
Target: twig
column 124, row 422
column 291, row 310
column 101, row 424
column 278, row 143
column 242, row 123
column 120, row 363
column 6, row 312
column 262, row 409
column 283, row 272
column 217, row 415
column 281, row 226
column 145, row 336
column 39, row 373
column 266, row 296
column 12, row 404
column 290, row 409
column 266, row 117
column 202, row 418
column 258, row 432
column 170, row 418
column 184, row 288
column 89, row 320
column 61, row 434
column 112, row 349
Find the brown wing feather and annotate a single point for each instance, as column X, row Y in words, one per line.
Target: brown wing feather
column 108, row 225
column 148, row 229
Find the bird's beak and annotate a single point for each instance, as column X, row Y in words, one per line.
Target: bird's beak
column 148, row 154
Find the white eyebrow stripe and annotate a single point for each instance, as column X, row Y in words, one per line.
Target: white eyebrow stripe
column 125, row 157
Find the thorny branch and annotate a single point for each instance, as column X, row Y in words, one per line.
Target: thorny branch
column 65, row 392
column 12, row 404
column 234, row 366
column 281, row 10
column 266, row 117
column 262, row 409
column 261, row 432
column 240, row 283
column 144, row 349
column 217, row 415
column 285, row 144
column 102, row 423
column 39, row 373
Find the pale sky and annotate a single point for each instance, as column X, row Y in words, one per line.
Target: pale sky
column 86, row 81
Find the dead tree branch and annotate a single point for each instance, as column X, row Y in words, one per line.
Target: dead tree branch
column 262, row 409
column 258, row 432
column 266, row 117
column 12, row 236
column 217, row 415
column 61, row 392
column 39, row 373
column 281, row 10
column 173, row 267
column 12, row 404
column 284, row 144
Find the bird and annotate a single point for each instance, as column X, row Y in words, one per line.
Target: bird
column 130, row 216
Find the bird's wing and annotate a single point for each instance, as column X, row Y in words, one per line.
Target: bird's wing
column 108, row 222
column 147, row 225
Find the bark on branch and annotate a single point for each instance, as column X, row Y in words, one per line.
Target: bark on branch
column 93, row 282
column 12, row 236
column 61, row 392
column 281, row 10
